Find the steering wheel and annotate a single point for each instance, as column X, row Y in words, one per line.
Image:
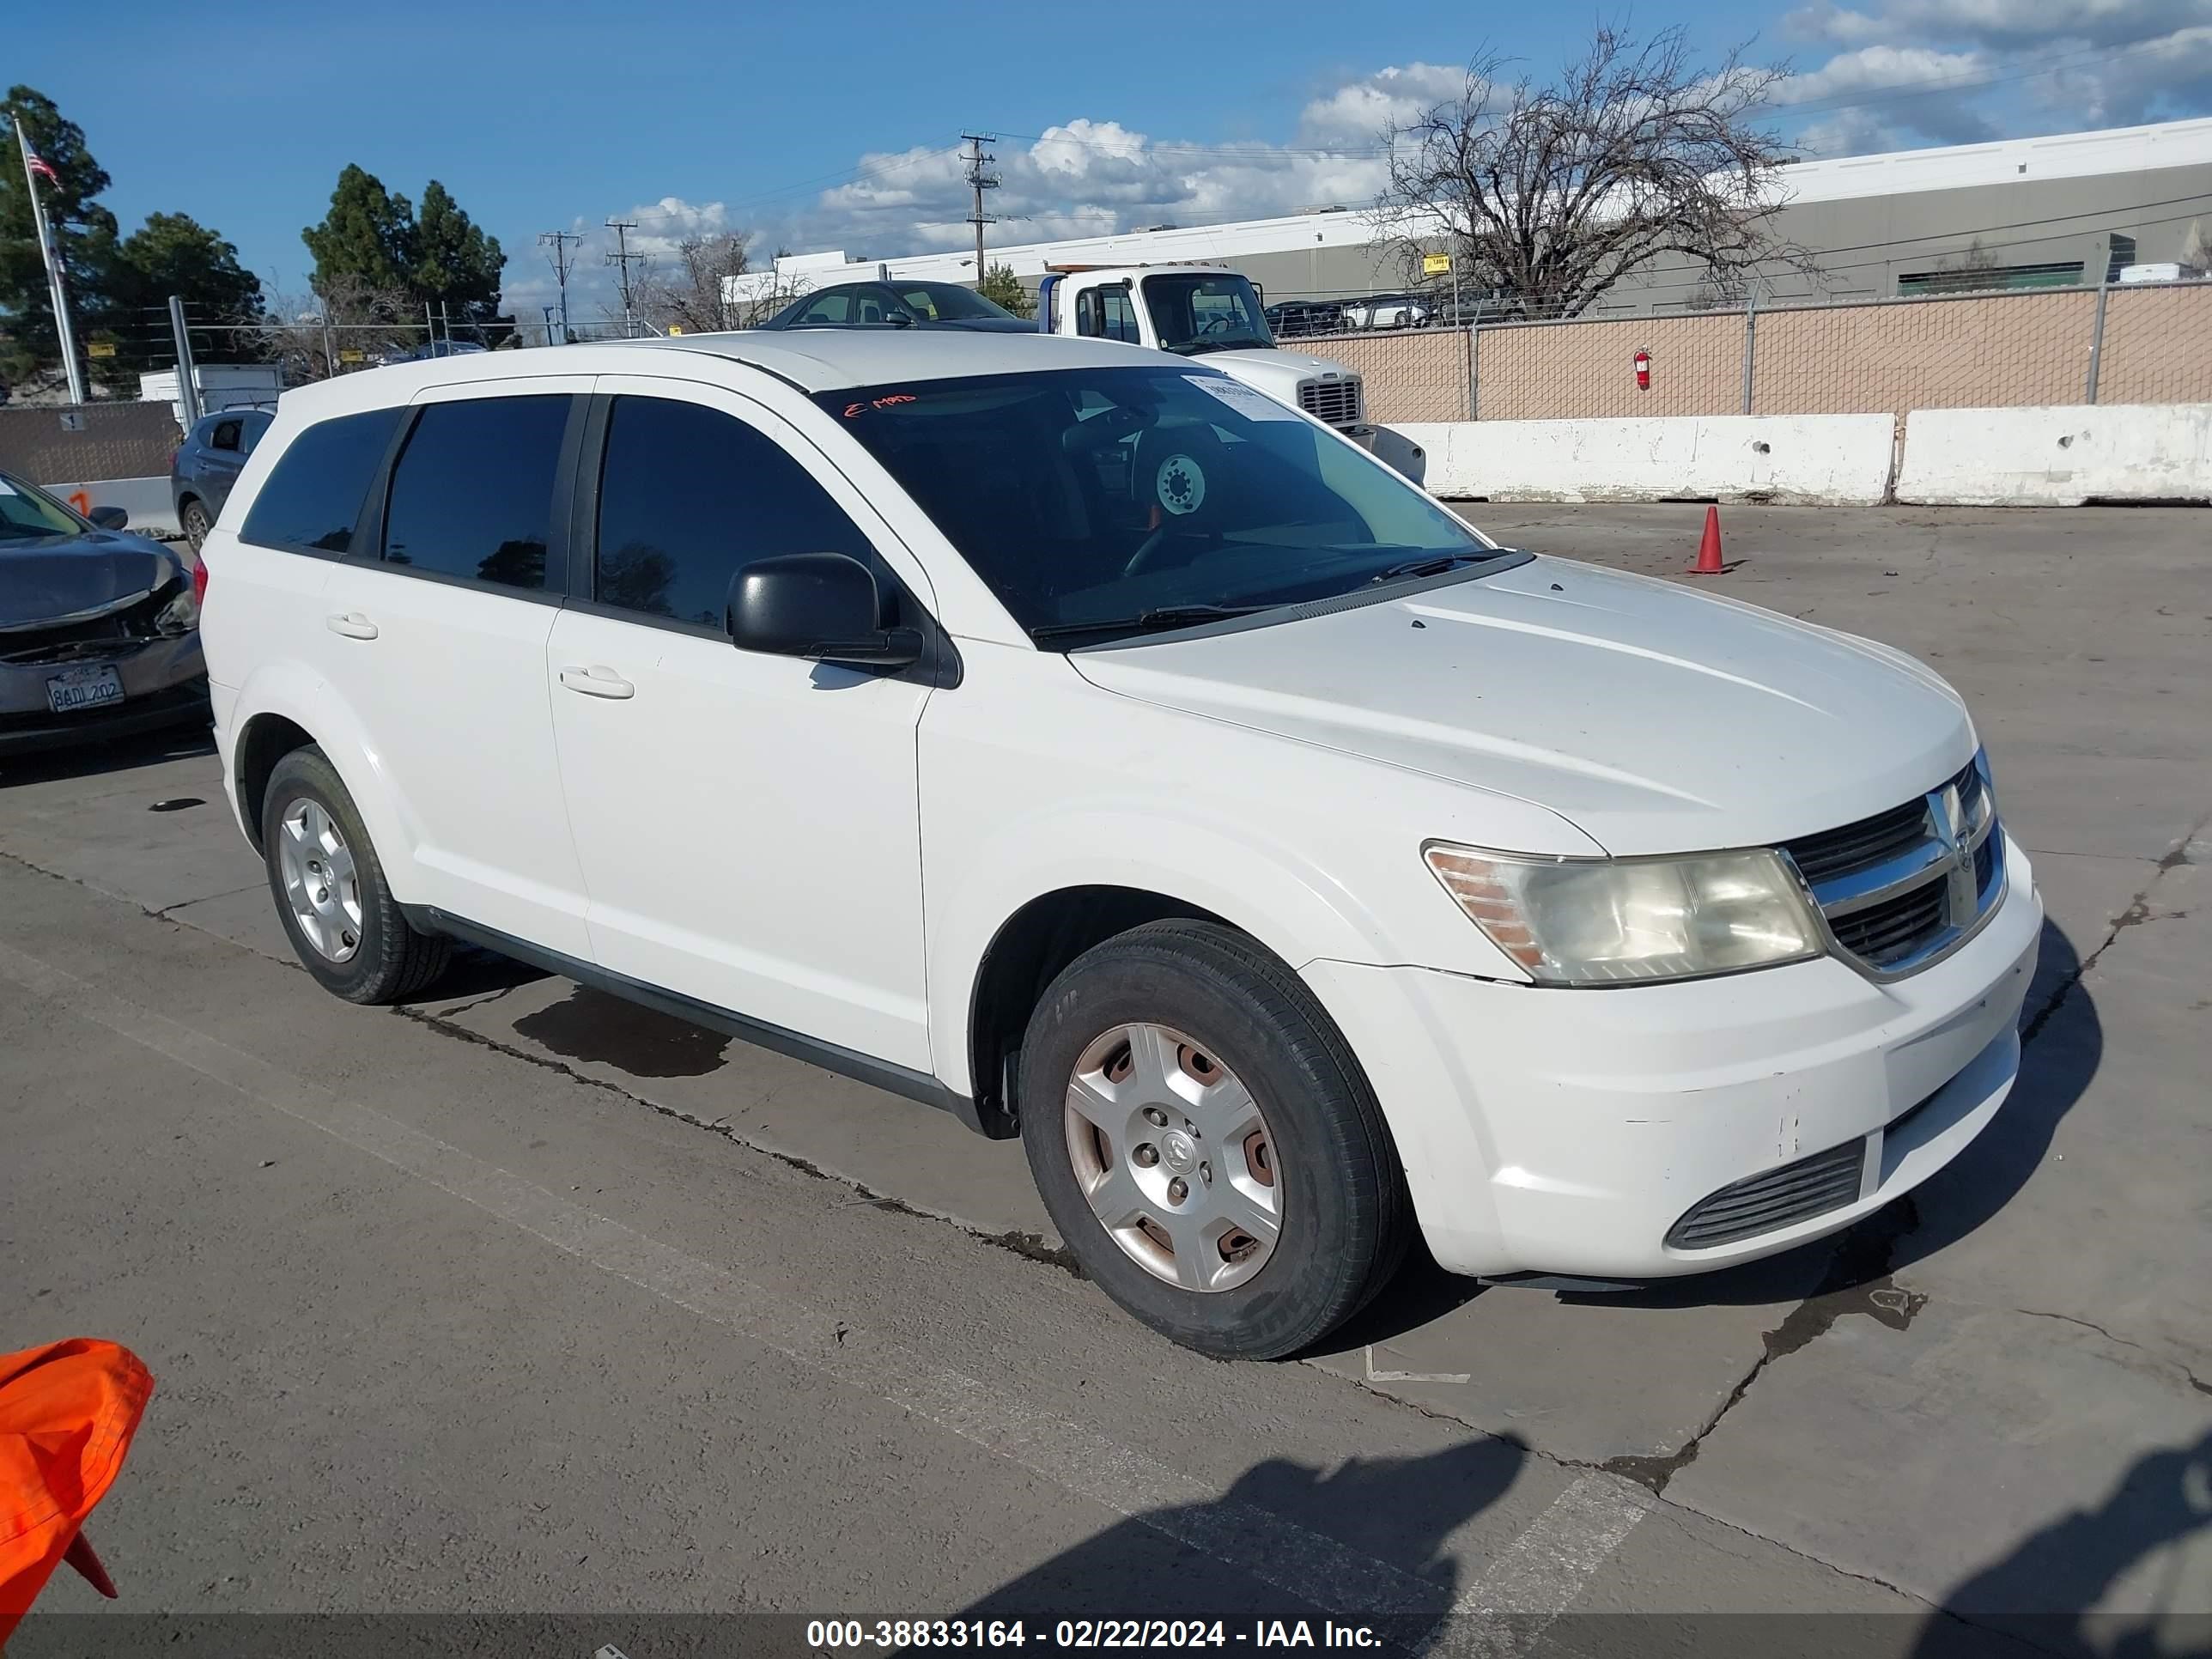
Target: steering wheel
column 1181, row 474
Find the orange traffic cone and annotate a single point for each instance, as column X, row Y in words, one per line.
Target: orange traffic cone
column 1708, row 549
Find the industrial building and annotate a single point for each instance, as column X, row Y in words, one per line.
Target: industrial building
column 2069, row 208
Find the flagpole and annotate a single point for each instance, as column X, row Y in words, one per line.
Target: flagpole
column 51, row 258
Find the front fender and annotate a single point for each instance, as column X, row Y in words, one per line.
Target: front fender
column 1284, row 903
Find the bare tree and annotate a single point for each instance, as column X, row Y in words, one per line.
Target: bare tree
column 1637, row 155
column 349, row 323
column 685, row 294
column 2196, row 246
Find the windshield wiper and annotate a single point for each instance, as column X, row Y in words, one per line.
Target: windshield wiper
column 1147, row 622
column 1193, row 348
column 1434, row 565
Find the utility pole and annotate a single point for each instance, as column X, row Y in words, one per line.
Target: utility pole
column 620, row 259
column 49, row 255
column 979, row 181
column 548, row 310
column 188, row 373
column 561, row 264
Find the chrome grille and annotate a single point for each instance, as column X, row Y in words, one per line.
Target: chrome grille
column 1336, row 402
column 1856, row 845
column 1900, row 889
column 1796, row 1192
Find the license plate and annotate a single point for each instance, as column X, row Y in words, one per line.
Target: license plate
column 92, row 686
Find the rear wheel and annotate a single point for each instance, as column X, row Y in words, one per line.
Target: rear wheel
column 1206, row 1144
column 195, row 521
column 337, row 908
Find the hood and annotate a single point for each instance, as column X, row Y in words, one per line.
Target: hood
column 42, row 582
column 1654, row 719
column 1279, row 366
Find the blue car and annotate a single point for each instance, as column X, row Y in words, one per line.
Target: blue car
column 208, row 463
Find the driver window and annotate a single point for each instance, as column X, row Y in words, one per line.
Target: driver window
column 917, row 301
column 688, row 496
column 1106, row 313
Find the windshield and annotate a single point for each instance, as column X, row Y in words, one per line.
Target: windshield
column 938, row 302
column 1097, row 501
column 28, row 514
column 1206, row 312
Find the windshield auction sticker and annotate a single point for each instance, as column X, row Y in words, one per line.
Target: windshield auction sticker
column 1251, row 404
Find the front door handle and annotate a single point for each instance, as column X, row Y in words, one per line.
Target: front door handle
column 598, row 681
column 352, row 624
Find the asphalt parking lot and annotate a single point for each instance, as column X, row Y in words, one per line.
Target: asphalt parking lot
column 523, row 1300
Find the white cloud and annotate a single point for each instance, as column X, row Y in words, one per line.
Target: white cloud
column 1358, row 114
column 1891, row 72
column 2018, row 66
column 2013, row 24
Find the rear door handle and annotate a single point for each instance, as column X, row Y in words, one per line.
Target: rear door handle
column 598, row 681
column 352, row 624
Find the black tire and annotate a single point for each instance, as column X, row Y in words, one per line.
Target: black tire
column 1346, row 1220
column 194, row 517
column 392, row 961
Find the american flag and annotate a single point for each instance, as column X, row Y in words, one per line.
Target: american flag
column 38, row 164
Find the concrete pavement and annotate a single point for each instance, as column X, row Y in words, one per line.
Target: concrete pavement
column 1998, row 1402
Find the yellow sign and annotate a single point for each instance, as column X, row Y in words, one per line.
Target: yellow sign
column 675, row 328
column 100, row 348
column 1436, row 265
column 350, row 355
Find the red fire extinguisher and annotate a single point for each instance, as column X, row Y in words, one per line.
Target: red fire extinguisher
column 1643, row 369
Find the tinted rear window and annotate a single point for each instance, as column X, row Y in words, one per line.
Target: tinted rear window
column 313, row 493
column 472, row 494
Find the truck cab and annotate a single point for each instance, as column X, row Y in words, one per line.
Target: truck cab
column 1202, row 311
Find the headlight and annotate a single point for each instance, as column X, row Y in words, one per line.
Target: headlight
column 1602, row 922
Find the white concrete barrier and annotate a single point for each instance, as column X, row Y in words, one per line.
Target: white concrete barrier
column 2060, row 456
column 1842, row 461
column 152, row 510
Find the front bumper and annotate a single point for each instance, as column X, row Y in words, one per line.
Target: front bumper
column 164, row 684
column 1566, row 1132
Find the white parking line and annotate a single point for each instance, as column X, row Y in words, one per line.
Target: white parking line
column 1534, row 1579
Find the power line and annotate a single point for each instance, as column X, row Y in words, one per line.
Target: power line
column 979, row 181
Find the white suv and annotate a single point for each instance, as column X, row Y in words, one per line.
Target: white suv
column 1079, row 741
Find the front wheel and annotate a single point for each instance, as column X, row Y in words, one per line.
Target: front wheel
column 194, row 519
column 1206, row 1143
column 338, row 910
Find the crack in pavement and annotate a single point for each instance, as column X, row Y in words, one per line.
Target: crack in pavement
column 2193, row 1380
column 1030, row 1246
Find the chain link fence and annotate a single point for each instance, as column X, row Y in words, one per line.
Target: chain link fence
column 2125, row 343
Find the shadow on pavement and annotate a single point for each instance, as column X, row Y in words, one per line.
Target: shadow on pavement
column 1177, row 1560
column 2064, row 1046
column 2041, row 1593
column 96, row 757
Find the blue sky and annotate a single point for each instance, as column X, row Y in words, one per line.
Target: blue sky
column 832, row 125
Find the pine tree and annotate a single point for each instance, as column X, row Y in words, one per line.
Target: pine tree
column 1001, row 287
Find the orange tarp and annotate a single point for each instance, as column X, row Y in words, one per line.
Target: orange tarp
column 67, row 1413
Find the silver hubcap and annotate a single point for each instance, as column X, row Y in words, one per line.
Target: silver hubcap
column 1175, row 1157
column 320, row 882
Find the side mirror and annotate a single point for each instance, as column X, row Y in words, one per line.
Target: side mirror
column 821, row 606
column 108, row 518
